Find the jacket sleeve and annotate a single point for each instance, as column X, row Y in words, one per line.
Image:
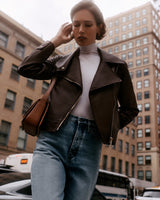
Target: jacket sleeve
column 37, row 65
column 127, row 101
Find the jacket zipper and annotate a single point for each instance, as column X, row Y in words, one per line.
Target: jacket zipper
column 111, row 137
column 68, row 113
column 71, row 107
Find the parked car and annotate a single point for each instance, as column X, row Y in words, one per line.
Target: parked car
column 17, row 185
column 150, row 193
column 5, row 169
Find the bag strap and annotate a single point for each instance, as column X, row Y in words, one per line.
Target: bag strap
column 47, row 93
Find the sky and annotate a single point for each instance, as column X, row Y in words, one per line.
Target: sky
column 44, row 17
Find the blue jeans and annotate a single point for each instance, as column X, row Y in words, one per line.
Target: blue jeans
column 65, row 163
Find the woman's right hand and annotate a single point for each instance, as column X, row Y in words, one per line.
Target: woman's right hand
column 63, row 36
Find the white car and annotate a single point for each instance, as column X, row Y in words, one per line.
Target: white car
column 150, row 193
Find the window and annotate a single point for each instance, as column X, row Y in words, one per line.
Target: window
column 45, row 86
column 127, row 131
column 131, row 74
column 140, row 160
column 144, row 21
column 137, row 23
column 20, row 49
column 112, row 164
column 124, row 47
column 137, row 32
column 3, row 39
column 130, row 55
column 138, row 73
column 139, row 146
column 139, row 120
column 26, row 104
column 130, row 34
column 147, row 106
column 139, row 84
column 116, row 39
column 148, row 175
column 133, row 170
column 147, row 132
column 139, row 107
column 139, row 133
column 138, row 52
column 144, row 11
column 146, row 95
column 123, row 56
column 120, row 166
column 148, row 145
column 10, row 100
column 116, row 49
column 145, row 51
column 147, row 160
column 138, row 63
column 14, row 75
column 137, row 14
column 139, row 96
column 4, row 132
column 123, row 36
column 144, row 30
column 110, row 33
column 120, row 145
column 110, row 41
column 146, row 72
column 124, row 28
column 130, row 45
column 123, row 19
column 104, row 165
column 138, row 42
column 31, row 83
column 147, row 119
column 103, row 43
column 130, row 64
column 1, row 64
column 127, row 168
column 130, row 17
column 140, row 175
column 146, row 83
column 133, row 133
column 116, row 23
column 127, row 148
column 110, row 24
column 133, row 150
column 21, row 141
column 145, row 40
column 116, row 31
column 110, row 50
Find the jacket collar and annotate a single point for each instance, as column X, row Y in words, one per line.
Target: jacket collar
column 104, row 76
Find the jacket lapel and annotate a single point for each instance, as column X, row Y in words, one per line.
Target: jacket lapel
column 73, row 71
column 105, row 74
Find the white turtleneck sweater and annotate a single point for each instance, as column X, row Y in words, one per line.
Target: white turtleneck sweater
column 89, row 62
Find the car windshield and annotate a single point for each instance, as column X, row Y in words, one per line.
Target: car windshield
column 151, row 193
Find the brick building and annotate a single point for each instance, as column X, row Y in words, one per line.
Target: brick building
column 16, row 93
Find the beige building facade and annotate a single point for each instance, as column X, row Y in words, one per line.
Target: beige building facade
column 16, row 93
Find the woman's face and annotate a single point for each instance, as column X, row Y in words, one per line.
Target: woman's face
column 84, row 27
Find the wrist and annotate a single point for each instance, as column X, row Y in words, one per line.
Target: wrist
column 55, row 42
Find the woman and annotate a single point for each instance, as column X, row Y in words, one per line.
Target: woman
column 92, row 99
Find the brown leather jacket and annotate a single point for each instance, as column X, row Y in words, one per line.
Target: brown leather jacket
column 111, row 94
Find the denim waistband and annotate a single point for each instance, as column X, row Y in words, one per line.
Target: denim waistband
column 82, row 120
